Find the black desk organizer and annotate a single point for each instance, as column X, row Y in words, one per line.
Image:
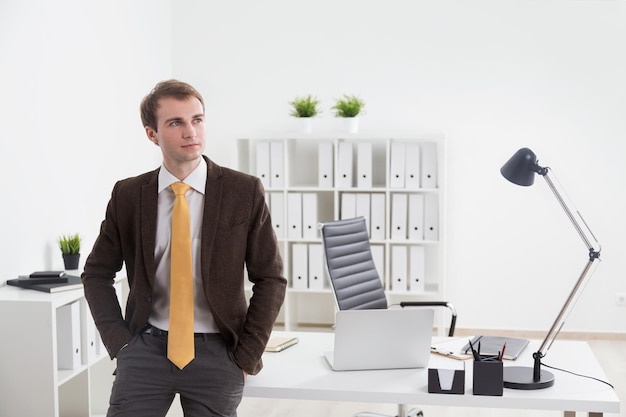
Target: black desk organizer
column 458, row 381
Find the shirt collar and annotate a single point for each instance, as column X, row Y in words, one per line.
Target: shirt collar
column 196, row 180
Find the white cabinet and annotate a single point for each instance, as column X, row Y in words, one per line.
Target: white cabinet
column 53, row 363
column 396, row 182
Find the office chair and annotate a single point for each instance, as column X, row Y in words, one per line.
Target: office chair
column 355, row 282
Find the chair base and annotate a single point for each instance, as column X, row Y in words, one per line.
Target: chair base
column 402, row 412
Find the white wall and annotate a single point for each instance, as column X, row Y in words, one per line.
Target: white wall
column 493, row 75
column 73, row 74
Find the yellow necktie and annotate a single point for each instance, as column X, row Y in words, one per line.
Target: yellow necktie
column 180, row 348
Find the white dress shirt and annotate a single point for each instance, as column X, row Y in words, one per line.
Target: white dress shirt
column 203, row 319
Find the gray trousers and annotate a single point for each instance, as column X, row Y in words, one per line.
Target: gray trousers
column 146, row 382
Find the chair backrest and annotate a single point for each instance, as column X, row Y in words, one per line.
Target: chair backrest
column 353, row 277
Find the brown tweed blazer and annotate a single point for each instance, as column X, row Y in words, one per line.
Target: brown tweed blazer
column 236, row 231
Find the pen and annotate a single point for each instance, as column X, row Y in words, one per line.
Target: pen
column 502, row 354
column 476, row 355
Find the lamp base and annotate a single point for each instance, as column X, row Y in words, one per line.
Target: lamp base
column 521, row 377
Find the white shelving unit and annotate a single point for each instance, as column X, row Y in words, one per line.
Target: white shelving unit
column 293, row 166
column 34, row 338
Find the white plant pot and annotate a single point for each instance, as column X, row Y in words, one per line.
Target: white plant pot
column 306, row 124
column 351, row 124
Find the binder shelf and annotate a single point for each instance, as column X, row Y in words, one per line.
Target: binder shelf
column 395, row 181
column 55, row 364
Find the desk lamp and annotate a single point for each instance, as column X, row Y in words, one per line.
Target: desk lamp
column 521, row 170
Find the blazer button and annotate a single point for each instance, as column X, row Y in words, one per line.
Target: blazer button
column 148, row 299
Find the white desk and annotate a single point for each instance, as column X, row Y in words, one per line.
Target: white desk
column 301, row 372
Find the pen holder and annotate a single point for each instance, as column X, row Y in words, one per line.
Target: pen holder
column 488, row 376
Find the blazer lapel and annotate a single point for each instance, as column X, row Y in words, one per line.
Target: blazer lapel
column 149, row 202
column 212, row 204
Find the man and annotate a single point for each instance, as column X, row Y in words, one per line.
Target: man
column 229, row 227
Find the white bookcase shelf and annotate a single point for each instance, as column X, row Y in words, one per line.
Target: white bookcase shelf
column 41, row 331
column 396, row 181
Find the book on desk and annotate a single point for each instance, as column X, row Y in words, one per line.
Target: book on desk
column 280, row 343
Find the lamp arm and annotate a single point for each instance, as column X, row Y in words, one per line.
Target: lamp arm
column 544, row 173
column 558, row 323
column 593, row 255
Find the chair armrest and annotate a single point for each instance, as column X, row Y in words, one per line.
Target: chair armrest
column 435, row 304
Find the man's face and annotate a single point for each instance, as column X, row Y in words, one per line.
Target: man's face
column 180, row 131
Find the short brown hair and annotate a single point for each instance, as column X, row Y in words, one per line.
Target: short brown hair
column 169, row 88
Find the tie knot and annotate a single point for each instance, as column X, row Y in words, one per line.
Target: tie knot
column 179, row 188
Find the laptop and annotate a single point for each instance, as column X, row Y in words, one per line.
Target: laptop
column 381, row 339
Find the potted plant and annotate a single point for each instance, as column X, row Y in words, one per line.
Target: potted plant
column 305, row 108
column 70, row 250
column 349, row 107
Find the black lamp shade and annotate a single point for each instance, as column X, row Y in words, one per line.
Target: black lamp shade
column 521, row 168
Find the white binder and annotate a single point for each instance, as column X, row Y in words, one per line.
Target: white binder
column 412, row 166
column 277, row 165
column 364, row 165
column 316, row 267
column 431, row 217
column 377, row 221
column 263, row 162
column 299, row 266
column 325, row 165
column 277, row 210
column 344, row 165
column 294, row 215
column 68, row 336
column 363, row 209
column 417, row 270
column 309, row 216
column 399, row 207
column 429, row 165
column 348, row 205
column 398, row 268
column 396, row 164
column 378, row 254
column 89, row 341
column 100, row 348
column 416, row 217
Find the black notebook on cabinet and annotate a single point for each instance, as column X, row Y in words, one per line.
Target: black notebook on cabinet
column 72, row 283
column 26, row 280
column 47, row 274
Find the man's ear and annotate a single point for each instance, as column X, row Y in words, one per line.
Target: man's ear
column 152, row 136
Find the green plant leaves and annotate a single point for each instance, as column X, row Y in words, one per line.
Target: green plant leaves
column 305, row 107
column 348, row 106
column 69, row 244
